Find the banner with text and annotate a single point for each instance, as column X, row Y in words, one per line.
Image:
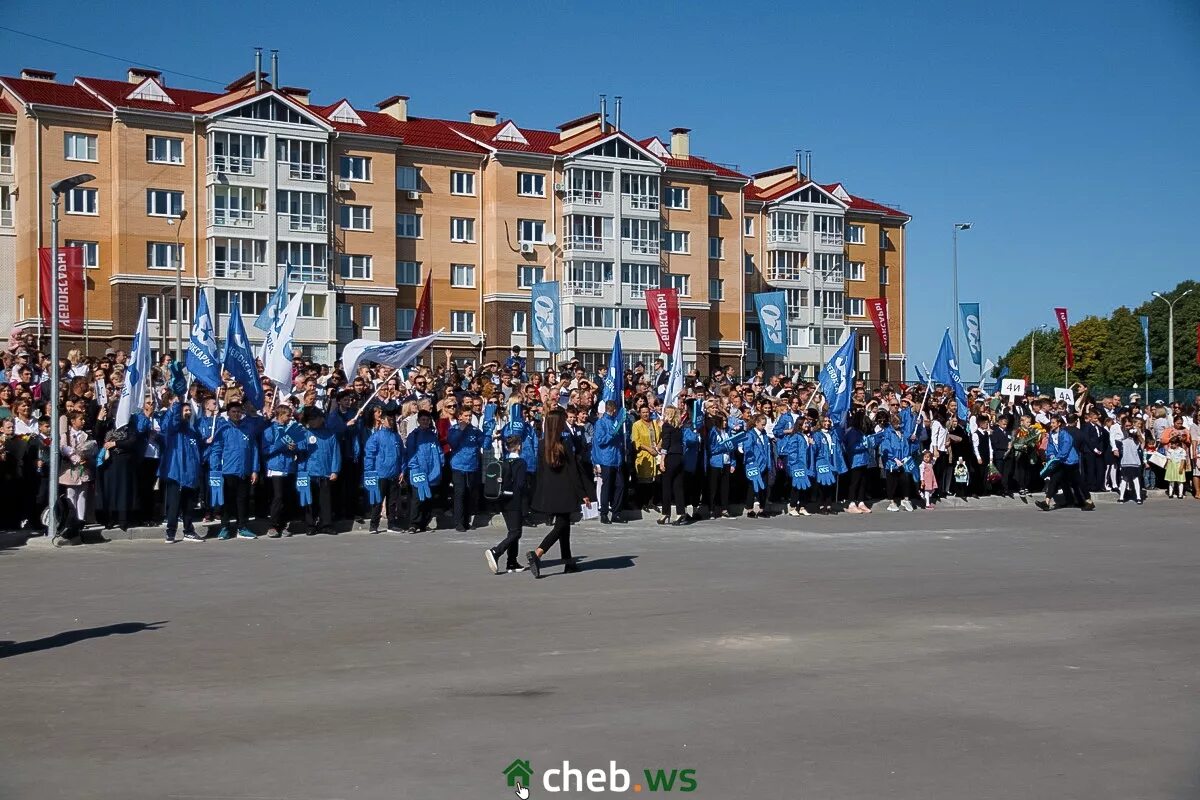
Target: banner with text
column 970, row 323
column 69, row 276
column 878, row 308
column 663, row 305
column 423, row 319
column 1065, row 327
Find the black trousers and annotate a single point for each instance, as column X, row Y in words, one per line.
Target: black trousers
column 561, row 533
column 612, row 491
column 466, row 489
column 826, row 495
column 897, row 485
column 512, row 519
column 237, row 501
column 319, row 514
column 1092, row 471
column 177, row 502
column 856, row 489
column 420, row 512
column 672, row 486
column 282, row 492
column 718, row 490
column 759, row 496
column 147, row 473
column 389, row 494
column 348, row 490
column 1067, row 477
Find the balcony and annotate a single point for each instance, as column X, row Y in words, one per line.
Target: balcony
column 306, row 273
column 231, row 165
column 235, row 218
column 788, row 239
column 797, row 273
column 303, row 171
column 586, row 245
column 586, row 197
column 6, row 162
column 304, row 223
column 833, row 277
column 828, row 314
column 640, row 204
column 234, row 270
column 828, row 239
column 583, row 288
column 640, row 249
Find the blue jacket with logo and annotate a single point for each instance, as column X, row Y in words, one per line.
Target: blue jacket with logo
column 828, row 452
column 275, row 446
column 382, row 454
column 423, row 453
column 234, row 450
column 322, row 454
column 893, row 445
column 464, row 447
column 180, row 459
column 1064, row 450
column 757, row 449
column 607, row 438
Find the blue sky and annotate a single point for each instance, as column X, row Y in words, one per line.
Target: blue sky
column 1067, row 132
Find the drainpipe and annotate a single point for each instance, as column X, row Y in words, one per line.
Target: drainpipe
column 37, row 145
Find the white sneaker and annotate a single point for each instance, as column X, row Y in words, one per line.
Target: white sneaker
column 906, row 505
column 864, row 508
column 792, row 512
column 893, row 507
column 803, row 512
column 491, row 562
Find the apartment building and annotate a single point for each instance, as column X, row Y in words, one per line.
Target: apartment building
column 363, row 206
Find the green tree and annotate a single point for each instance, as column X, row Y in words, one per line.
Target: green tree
column 1089, row 337
column 1122, row 362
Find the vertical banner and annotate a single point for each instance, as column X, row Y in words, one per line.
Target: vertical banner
column 945, row 371
column 1065, row 327
column 546, row 316
column 663, row 305
column 970, row 323
column 837, row 380
column 1146, row 343
column 70, row 287
column 137, row 373
column 614, row 378
column 772, row 321
column 878, row 309
column 423, row 319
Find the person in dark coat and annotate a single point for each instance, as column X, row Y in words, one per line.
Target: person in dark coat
column 118, row 475
column 672, row 479
column 560, row 490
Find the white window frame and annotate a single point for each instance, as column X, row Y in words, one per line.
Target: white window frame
column 462, row 229
column 403, row 173
column 171, row 143
column 855, row 233
column 7, row 218
column 747, row 225
column 462, row 276
column 355, row 168
column 71, row 144
column 529, row 274
column 462, row 183
column 520, row 322
column 243, row 257
column 884, row 279
column 154, row 249
column 355, row 267
column 173, row 210
column 531, row 231
column 75, row 199
column 462, row 321
column 405, row 323
column 716, row 289
column 370, row 316
column 405, row 269
column 856, row 271
column 682, row 284
column 716, row 243
column 884, row 239
column 355, row 218
column 309, row 306
column 403, row 226
column 864, row 344
column 677, row 198
column 672, row 238
column 531, row 184
column 344, row 316
column 91, row 252
column 855, row 306
column 715, row 206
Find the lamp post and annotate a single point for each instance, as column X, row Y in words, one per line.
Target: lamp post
column 958, row 226
column 1171, row 341
column 1032, row 352
column 177, row 255
column 57, row 190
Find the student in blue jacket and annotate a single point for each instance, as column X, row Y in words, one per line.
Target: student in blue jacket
column 179, row 470
column 422, row 470
column 757, row 465
column 283, row 444
column 465, row 441
column 798, row 452
column 828, row 462
column 1062, row 461
column 608, row 461
column 896, row 453
column 234, row 456
column 317, row 471
column 860, row 448
column 721, row 445
column 381, row 468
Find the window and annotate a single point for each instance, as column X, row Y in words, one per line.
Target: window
column 304, row 159
column 635, row 319
column 305, row 211
column 856, row 234
column 587, row 278
column 787, row 226
column 520, row 321
column 786, row 265
column 597, row 318
column 408, row 226
column 355, row 268
column 6, row 207
column 530, row 230
column 716, row 247
column 163, row 203
column 355, row 168
column 587, row 186
column 405, row 318
column 798, row 337
column 643, row 236
column 716, row 289
column 855, row 307
column 162, row 255
column 312, row 306
column 91, row 252
column 355, row 218
column 408, row 273
column 689, row 327
column 864, row 344
column 308, row 261
column 164, row 150
column 832, row 304
column 462, row 321
column 531, row 184
column 714, row 205
column 83, row 201
column 408, row 179
column 832, row 335
column 857, row 271
column 677, row 197
column 6, row 152
column 345, row 315
column 797, row 301
column 676, row 241
column 370, row 316
column 883, row 274
column 682, row 284
column 640, row 191
column 748, row 226
column 462, row 276
column 237, row 258
column 235, row 206
column 154, row 307
column 528, row 276
column 79, row 147
column 640, row 277
column 884, row 243
column 462, row 229
column 462, row 183
column 251, row 302
column 235, row 152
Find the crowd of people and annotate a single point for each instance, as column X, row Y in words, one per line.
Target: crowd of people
column 396, row 448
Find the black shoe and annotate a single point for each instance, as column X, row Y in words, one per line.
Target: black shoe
column 619, row 518
column 460, row 529
column 67, row 541
column 535, row 564
column 1088, row 505
column 571, row 566
column 684, row 520
column 1042, row 504
column 751, row 514
column 662, row 520
column 374, row 531
column 604, row 519
column 311, row 531
column 94, row 538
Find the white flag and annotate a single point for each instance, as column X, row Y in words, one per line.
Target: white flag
column 394, row 354
column 675, row 376
column 137, row 373
column 986, row 372
column 277, row 348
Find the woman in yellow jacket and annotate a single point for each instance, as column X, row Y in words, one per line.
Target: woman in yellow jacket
column 647, row 439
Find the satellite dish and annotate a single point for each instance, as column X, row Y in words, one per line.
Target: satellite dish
column 476, row 340
column 550, row 239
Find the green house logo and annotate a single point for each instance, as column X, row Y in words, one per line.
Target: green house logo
column 518, row 770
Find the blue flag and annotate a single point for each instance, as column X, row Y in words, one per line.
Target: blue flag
column 202, row 361
column 1146, row 338
column 837, row 380
column 547, row 316
column 772, row 321
column 279, row 301
column 614, row 379
column 239, row 358
column 1001, row 376
column 945, row 371
column 970, row 323
column 921, row 376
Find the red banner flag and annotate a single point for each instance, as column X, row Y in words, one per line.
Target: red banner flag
column 70, row 287
column 1065, row 327
column 423, row 320
column 663, row 305
column 878, row 307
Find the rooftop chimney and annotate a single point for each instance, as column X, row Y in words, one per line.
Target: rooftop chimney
column 395, row 107
column 617, row 114
column 481, row 117
column 680, row 142
column 258, row 69
column 297, row 93
column 30, row 74
column 275, row 69
column 138, row 74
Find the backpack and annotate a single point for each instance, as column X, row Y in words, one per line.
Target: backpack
column 493, row 472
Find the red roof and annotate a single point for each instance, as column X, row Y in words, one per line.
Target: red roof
column 703, row 165
column 5, row 107
column 786, row 187
column 117, row 93
column 48, row 93
column 863, row 204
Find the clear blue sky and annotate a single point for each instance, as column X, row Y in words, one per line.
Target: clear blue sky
column 1068, row 132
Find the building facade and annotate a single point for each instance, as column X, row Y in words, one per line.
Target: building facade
column 225, row 192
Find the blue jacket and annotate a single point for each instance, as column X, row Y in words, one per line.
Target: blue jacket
column 720, row 448
column 322, row 454
column 234, row 450
column 797, row 452
column 204, row 426
column 608, row 436
column 827, row 451
column 464, row 447
column 382, row 454
column 423, row 453
column 786, row 420
column 180, row 460
column 691, row 449
column 529, row 441
column 860, row 447
column 757, row 449
column 1065, row 450
column 275, row 446
column 894, row 445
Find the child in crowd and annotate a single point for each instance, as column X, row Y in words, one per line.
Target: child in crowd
column 929, row 483
column 512, row 487
column 1131, row 467
column 1176, row 472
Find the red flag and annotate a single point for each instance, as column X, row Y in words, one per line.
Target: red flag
column 663, row 305
column 1063, row 326
column 70, row 287
column 423, row 320
column 878, row 307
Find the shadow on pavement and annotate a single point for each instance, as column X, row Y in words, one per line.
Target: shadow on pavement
column 610, row 562
column 8, row 649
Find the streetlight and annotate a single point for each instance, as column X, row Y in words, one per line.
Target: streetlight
column 1171, row 341
column 177, row 255
column 1032, row 350
column 57, row 189
column 958, row 226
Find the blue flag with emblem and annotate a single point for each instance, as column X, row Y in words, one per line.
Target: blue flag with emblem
column 921, row 376
column 614, row 379
column 201, row 360
column 547, row 316
column 274, row 309
column 137, row 373
column 1146, row 341
column 772, row 322
column 239, row 358
column 837, row 380
column 970, row 323
column 945, row 371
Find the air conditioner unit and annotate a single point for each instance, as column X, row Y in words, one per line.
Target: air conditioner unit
column 413, row 194
column 526, row 247
column 560, row 187
column 343, row 186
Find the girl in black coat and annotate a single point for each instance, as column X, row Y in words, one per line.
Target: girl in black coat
column 560, row 490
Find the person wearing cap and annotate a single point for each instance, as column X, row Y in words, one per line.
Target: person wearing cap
column 316, row 472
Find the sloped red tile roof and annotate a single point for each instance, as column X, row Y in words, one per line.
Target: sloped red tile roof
column 47, row 93
column 870, row 206
column 117, row 93
column 5, row 108
column 703, row 165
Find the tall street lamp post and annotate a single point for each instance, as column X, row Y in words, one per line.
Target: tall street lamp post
column 1171, row 341
column 177, row 254
column 958, row 226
